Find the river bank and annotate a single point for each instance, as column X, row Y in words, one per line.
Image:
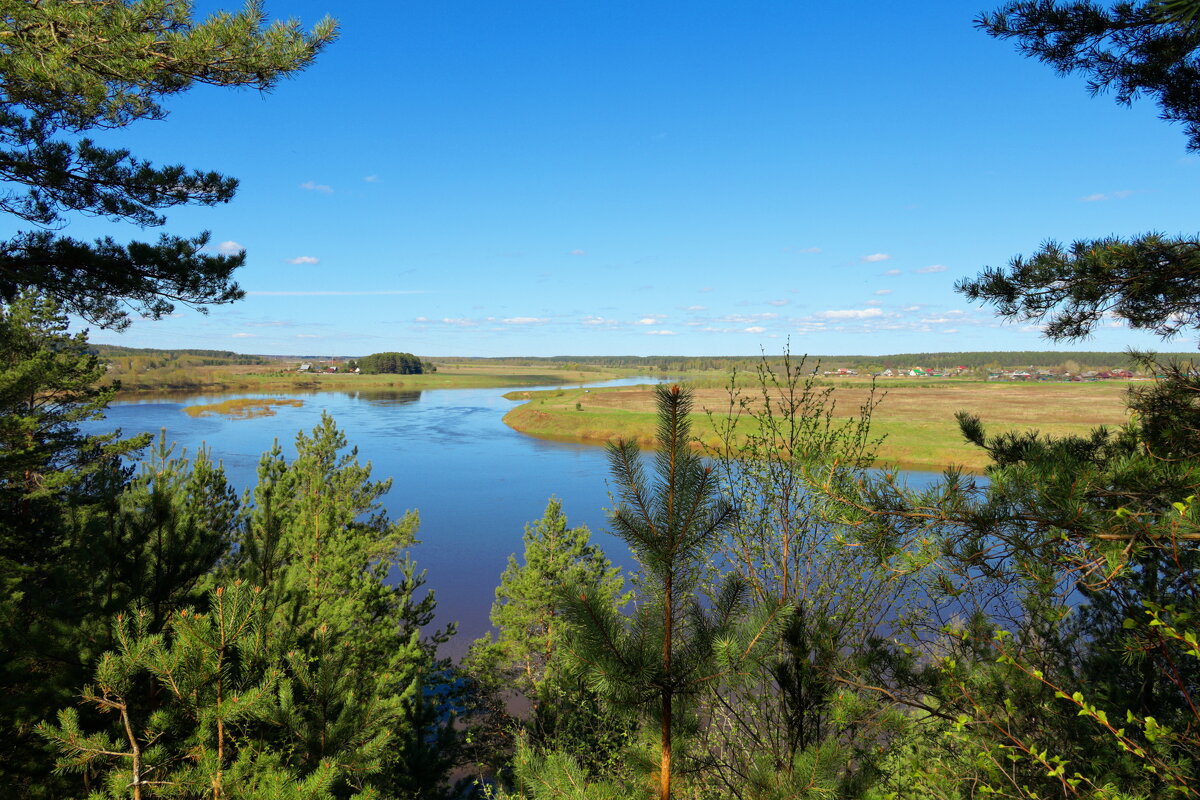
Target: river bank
column 917, row 420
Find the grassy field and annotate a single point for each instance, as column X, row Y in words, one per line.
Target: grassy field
column 256, row 378
column 917, row 417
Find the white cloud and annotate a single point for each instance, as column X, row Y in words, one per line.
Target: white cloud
column 371, row 292
column 660, row 333
column 229, row 248
column 421, row 319
column 894, row 272
column 931, row 269
column 304, row 260
column 871, row 259
column 462, row 322
column 577, row 253
column 778, row 302
column 745, row 319
column 313, row 186
column 851, row 313
column 755, row 329
column 372, row 179
column 524, row 320
column 706, row 288
column 243, row 335
column 873, row 303
column 1095, row 198
column 912, row 308
column 883, row 291
column 696, row 308
column 647, row 321
column 950, row 330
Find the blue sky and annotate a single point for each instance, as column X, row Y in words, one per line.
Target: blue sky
column 559, row 177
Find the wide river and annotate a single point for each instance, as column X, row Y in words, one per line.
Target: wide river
column 475, row 481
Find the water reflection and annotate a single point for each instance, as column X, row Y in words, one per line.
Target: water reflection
column 386, row 397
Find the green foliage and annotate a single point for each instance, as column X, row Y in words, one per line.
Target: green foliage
column 70, row 67
column 789, row 718
column 1147, row 281
column 525, row 612
column 54, row 481
column 189, row 703
column 392, row 363
column 1068, row 691
column 557, row 775
column 529, row 657
column 1167, row 411
column 673, row 646
column 47, row 387
column 1131, row 49
column 335, row 574
column 317, row 682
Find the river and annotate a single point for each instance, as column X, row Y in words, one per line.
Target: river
column 475, row 481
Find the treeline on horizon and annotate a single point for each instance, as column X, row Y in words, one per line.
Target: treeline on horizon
column 1089, row 359
column 160, row 354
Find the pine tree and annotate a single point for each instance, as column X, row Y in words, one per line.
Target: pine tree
column 170, row 527
column 528, row 656
column 673, row 645
column 70, row 66
column 53, row 480
column 335, row 573
column 189, row 707
column 525, row 612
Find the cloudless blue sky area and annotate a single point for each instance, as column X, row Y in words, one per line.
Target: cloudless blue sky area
column 552, row 177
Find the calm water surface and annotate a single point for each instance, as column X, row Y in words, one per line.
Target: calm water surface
column 475, row 481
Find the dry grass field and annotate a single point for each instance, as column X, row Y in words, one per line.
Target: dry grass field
column 917, row 419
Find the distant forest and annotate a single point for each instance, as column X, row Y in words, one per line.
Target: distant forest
column 1014, row 358
column 145, row 356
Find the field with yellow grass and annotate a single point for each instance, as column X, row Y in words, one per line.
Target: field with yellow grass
column 916, row 418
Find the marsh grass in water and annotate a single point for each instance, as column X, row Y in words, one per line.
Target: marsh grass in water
column 243, row 407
